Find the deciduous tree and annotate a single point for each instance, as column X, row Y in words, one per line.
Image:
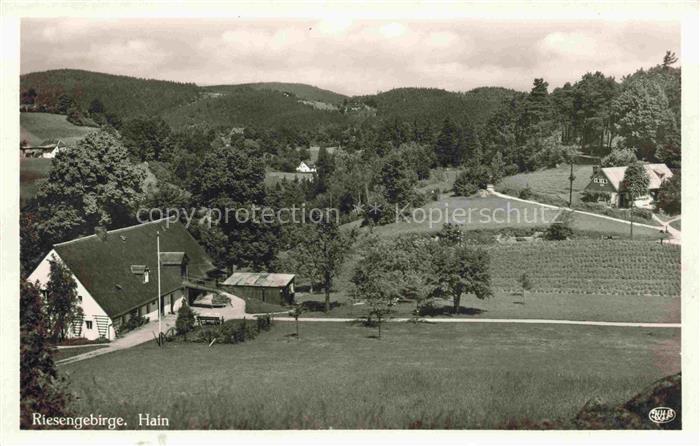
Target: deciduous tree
column 460, row 270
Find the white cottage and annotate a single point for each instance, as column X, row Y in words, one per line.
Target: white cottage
column 305, row 168
column 115, row 272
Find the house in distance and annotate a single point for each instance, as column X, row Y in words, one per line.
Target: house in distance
column 303, row 167
column 47, row 149
column 116, row 274
column 606, row 184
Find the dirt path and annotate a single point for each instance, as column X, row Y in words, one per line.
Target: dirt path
column 496, row 321
column 675, row 233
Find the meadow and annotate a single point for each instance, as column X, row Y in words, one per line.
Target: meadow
column 494, row 213
column 550, row 183
column 38, row 127
column 340, row 376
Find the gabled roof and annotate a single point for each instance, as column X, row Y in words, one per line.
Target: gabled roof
column 657, row 174
column 259, row 279
column 104, row 267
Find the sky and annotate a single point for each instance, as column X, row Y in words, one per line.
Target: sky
column 349, row 57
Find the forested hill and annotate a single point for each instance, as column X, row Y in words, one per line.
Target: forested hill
column 84, row 93
column 300, row 91
column 434, row 105
column 237, row 106
column 123, row 96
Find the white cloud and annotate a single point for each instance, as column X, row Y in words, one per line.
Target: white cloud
column 354, row 57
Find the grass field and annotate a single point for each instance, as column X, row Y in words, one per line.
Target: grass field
column 474, row 212
column 38, row 127
column 493, row 212
column 512, row 305
column 553, row 183
column 338, row 376
column 32, row 171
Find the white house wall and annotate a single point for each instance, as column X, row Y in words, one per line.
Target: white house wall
column 91, row 309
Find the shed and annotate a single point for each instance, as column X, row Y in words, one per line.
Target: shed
column 268, row 287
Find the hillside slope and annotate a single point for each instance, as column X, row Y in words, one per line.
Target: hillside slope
column 434, row 105
column 301, row 91
column 38, row 127
column 245, row 106
column 123, row 96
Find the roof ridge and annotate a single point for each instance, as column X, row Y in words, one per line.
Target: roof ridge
column 111, row 231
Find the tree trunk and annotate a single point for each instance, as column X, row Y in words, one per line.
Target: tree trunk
column 455, row 310
column 327, row 289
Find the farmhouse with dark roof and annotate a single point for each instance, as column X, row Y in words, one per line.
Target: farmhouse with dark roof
column 116, row 274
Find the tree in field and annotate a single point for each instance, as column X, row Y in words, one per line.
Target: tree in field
column 525, row 283
column 185, row 320
column 230, row 179
column 378, row 282
column 92, row 184
column 40, row 389
column 62, row 301
column 296, row 312
column 669, row 197
column 635, row 183
column 321, row 255
column 460, row 270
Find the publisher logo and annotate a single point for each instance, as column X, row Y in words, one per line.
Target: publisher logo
column 662, row 415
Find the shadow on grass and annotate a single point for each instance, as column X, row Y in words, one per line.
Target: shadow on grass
column 448, row 310
column 315, row 305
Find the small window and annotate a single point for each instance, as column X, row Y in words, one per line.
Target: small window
column 145, row 276
column 88, row 325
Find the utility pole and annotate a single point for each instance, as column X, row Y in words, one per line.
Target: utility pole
column 631, row 223
column 160, row 330
column 571, row 182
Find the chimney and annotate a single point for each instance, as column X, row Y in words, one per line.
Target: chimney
column 101, row 232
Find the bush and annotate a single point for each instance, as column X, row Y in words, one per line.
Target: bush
column 185, row 320
column 525, row 193
column 558, row 231
column 463, row 185
column 642, row 213
column 234, row 331
column 133, row 323
column 593, row 197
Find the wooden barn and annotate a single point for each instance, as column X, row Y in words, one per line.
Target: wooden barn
column 267, row 287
